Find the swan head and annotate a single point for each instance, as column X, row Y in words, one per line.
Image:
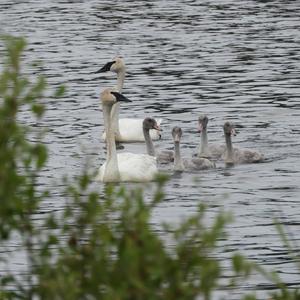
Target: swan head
column 110, row 97
column 150, row 123
column 229, row 128
column 202, row 123
column 116, row 65
column 176, row 133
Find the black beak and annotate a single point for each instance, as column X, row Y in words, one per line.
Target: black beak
column 120, row 97
column 106, row 67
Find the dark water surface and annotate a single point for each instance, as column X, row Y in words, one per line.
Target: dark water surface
column 233, row 60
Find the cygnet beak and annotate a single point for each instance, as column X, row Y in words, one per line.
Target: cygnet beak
column 176, row 138
column 200, row 127
column 156, row 127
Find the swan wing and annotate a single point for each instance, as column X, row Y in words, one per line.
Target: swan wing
column 133, row 168
column 201, row 164
column 217, row 150
column 165, row 156
column 248, row 156
column 100, row 175
column 131, row 130
column 137, row 167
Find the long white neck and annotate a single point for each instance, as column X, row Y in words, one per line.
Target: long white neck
column 229, row 150
column 149, row 143
column 116, row 108
column 203, row 149
column 111, row 173
column 178, row 164
column 115, row 119
column 120, row 80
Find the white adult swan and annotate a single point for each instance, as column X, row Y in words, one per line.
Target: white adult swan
column 164, row 156
column 206, row 150
column 238, row 155
column 124, row 166
column 182, row 164
column 128, row 129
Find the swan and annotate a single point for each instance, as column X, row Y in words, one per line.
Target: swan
column 122, row 167
column 238, row 155
column 127, row 129
column 206, row 150
column 182, row 164
column 164, row 156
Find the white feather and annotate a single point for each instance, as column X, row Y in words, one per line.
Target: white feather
column 123, row 166
column 131, row 130
column 133, row 167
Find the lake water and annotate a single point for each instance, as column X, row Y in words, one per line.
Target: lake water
column 232, row 60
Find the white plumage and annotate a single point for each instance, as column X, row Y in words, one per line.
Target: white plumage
column 123, row 166
column 133, row 168
column 126, row 129
column 131, row 130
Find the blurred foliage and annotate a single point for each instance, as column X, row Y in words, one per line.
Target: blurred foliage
column 20, row 160
column 102, row 245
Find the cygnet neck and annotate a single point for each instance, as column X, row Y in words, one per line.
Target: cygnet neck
column 203, row 149
column 149, row 143
column 178, row 164
column 229, row 149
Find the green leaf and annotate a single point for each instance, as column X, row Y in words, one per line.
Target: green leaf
column 38, row 109
column 60, row 91
column 40, row 151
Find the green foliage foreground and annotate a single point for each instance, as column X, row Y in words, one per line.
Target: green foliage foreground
column 101, row 246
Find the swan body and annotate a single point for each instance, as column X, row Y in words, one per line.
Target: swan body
column 238, row 155
column 133, row 168
column 185, row 164
column 124, row 166
column 131, row 130
column 128, row 129
column 164, row 156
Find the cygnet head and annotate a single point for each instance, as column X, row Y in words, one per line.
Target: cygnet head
column 229, row 128
column 116, row 66
column 202, row 123
column 150, row 123
column 110, row 97
column 176, row 133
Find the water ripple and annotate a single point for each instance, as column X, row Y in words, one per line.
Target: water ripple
column 235, row 60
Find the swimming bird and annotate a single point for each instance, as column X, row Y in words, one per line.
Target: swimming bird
column 164, row 156
column 185, row 164
column 206, row 150
column 127, row 129
column 238, row 155
column 123, row 166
